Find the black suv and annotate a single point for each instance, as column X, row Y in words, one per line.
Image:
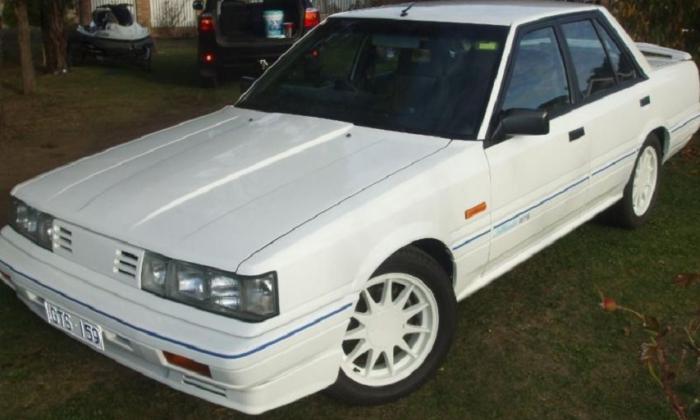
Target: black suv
column 233, row 34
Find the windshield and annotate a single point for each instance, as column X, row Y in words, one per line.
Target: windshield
column 418, row 77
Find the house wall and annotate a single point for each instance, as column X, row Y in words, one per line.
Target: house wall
column 163, row 14
column 172, row 14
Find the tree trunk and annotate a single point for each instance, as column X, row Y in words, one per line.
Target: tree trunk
column 54, row 34
column 24, row 39
column 85, row 11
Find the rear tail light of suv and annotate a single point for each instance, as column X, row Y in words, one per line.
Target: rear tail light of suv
column 312, row 17
column 206, row 23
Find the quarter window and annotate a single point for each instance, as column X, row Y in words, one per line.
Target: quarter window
column 621, row 63
column 593, row 69
column 538, row 80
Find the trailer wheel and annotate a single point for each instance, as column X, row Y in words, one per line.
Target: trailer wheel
column 75, row 55
column 146, row 58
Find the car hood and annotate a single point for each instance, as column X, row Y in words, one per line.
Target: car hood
column 216, row 189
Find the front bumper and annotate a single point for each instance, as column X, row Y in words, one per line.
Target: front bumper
column 252, row 374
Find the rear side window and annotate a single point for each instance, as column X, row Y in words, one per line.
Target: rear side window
column 621, row 62
column 593, row 68
column 538, row 80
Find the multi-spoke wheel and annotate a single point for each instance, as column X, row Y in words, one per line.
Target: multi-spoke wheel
column 642, row 189
column 400, row 330
column 392, row 330
column 644, row 183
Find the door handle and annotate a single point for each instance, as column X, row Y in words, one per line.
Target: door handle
column 644, row 101
column 576, row 134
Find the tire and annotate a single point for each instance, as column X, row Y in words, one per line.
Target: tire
column 415, row 280
column 643, row 186
column 146, row 58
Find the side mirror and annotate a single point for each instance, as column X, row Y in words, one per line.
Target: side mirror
column 198, row 5
column 246, row 82
column 523, row 122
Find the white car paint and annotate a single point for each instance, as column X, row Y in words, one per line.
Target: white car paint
column 323, row 203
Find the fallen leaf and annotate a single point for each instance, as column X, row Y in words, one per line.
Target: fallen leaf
column 608, row 305
column 648, row 352
column 686, row 279
column 651, row 323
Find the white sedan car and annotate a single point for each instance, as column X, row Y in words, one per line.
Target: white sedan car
column 320, row 232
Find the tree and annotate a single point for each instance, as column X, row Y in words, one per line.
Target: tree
column 24, row 39
column 85, row 11
column 53, row 33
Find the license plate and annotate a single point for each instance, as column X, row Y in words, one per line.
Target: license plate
column 74, row 325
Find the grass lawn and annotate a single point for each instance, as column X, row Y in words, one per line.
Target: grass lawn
column 533, row 345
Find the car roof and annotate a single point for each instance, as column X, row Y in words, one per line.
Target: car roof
column 499, row 12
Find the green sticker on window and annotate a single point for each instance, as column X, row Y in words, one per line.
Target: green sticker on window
column 490, row 46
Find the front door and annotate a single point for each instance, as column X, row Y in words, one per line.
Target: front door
column 537, row 182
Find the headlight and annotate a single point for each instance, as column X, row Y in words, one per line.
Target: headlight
column 244, row 297
column 31, row 223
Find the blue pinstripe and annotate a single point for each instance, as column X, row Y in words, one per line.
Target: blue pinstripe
column 182, row 343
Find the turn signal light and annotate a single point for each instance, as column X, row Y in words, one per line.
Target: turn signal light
column 206, row 23
column 312, row 17
column 189, row 364
column 473, row 211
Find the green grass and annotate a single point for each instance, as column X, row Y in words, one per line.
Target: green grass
column 532, row 345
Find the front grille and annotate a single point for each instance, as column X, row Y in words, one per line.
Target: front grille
column 62, row 238
column 96, row 252
column 126, row 263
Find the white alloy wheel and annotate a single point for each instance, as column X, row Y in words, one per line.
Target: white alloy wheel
column 645, row 180
column 392, row 330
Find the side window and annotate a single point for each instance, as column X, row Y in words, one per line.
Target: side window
column 538, row 80
column 621, row 62
column 593, row 69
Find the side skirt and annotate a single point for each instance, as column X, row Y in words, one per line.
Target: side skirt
column 555, row 234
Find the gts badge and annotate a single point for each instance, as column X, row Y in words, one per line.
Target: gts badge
column 508, row 225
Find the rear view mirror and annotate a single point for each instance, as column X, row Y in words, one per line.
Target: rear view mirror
column 246, row 82
column 198, row 5
column 523, row 122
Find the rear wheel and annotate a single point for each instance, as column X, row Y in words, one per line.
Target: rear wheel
column 400, row 331
column 641, row 192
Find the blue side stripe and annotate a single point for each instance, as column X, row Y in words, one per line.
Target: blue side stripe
column 181, row 343
column 685, row 123
column 543, row 201
column 615, row 162
column 472, row 239
column 547, row 199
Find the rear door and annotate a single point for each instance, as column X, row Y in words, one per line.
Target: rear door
column 537, row 182
column 611, row 99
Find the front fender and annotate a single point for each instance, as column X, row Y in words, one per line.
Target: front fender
column 399, row 238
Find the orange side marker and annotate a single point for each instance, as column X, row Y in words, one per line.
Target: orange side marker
column 473, row 211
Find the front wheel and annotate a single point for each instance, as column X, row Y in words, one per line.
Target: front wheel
column 400, row 331
column 641, row 192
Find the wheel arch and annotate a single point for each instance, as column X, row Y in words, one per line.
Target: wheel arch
column 422, row 236
column 664, row 137
column 440, row 252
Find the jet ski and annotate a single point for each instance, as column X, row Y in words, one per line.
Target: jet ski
column 112, row 35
